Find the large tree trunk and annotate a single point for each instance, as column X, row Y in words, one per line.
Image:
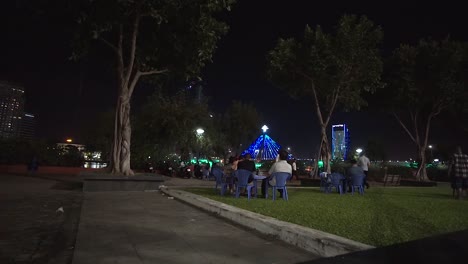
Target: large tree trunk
column 122, row 136
column 326, row 154
column 422, row 172
column 319, row 152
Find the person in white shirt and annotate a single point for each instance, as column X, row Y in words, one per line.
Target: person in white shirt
column 280, row 166
column 364, row 163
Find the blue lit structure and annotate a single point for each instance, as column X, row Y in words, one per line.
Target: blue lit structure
column 263, row 148
column 340, row 142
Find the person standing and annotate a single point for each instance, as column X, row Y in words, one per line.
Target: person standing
column 459, row 169
column 294, row 169
column 364, row 163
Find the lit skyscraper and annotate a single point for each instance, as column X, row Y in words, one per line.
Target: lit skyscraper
column 340, row 141
column 11, row 109
column 28, row 127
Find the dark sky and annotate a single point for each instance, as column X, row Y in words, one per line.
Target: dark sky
column 34, row 51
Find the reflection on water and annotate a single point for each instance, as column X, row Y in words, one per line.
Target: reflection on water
column 94, row 165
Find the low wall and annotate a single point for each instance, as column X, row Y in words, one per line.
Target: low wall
column 23, row 169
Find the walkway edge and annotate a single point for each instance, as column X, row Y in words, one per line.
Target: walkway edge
column 315, row 241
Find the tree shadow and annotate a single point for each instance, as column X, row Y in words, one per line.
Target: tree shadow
column 446, row 248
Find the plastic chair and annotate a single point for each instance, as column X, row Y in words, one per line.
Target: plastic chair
column 243, row 182
column 335, row 181
column 357, row 181
column 281, row 179
column 219, row 176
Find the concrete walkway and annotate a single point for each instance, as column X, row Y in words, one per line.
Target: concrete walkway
column 147, row 227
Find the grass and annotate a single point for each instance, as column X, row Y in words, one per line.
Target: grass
column 383, row 216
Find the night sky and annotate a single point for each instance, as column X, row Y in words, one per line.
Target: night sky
column 64, row 95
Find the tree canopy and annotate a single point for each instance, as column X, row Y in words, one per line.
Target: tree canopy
column 334, row 70
column 423, row 81
column 148, row 38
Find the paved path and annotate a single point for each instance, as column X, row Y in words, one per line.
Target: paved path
column 147, row 227
column 31, row 231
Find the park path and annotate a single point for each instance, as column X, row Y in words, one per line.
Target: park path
column 31, row 228
column 147, row 227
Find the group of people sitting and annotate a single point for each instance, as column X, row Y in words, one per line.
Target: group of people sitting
column 246, row 163
column 359, row 169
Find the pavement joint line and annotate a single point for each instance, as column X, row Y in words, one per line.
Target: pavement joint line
column 315, row 241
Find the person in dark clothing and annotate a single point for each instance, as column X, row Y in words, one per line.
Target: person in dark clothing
column 247, row 164
column 353, row 171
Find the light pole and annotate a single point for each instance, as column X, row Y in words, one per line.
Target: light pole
column 200, row 132
column 358, row 152
column 264, row 128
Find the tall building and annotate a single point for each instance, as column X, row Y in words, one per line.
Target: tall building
column 28, row 127
column 340, row 142
column 11, row 109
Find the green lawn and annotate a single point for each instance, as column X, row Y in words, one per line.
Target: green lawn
column 383, row 216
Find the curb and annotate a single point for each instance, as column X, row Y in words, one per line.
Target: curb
column 315, row 241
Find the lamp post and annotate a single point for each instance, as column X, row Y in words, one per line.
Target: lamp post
column 358, row 152
column 264, row 128
column 200, row 132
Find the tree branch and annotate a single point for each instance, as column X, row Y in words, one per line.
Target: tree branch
column 404, row 127
column 316, row 101
column 332, row 107
column 137, row 76
column 428, row 125
column 153, row 72
column 110, row 45
column 120, row 64
column 131, row 59
column 416, row 129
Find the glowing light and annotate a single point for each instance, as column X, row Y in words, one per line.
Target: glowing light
column 264, row 128
column 320, row 164
column 69, row 140
column 359, row 150
column 200, row 131
column 263, row 148
column 430, row 146
column 436, row 160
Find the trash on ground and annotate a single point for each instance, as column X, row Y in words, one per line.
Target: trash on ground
column 60, row 210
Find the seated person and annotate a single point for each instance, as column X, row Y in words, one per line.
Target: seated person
column 353, row 171
column 281, row 165
column 247, row 164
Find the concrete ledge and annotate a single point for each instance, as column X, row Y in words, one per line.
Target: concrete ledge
column 315, row 241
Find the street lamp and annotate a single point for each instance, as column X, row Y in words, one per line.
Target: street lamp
column 359, row 150
column 200, row 131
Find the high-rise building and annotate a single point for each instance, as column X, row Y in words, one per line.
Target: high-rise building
column 11, row 109
column 28, row 127
column 340, row 141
